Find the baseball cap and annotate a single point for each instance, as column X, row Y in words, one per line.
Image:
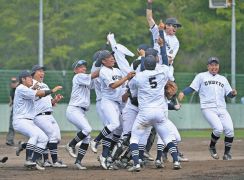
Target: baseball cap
column 79, row 63
column 173, row 21
column 24, row 74
column 213, row 60
column 151, row 51
column 150, row 62
column 143, row 46
column 102, row 55
column 96, row 55
column 37, row 67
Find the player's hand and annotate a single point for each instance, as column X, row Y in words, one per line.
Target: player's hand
column 35, row 87
column 177, row 107
column 160, row 42
column 130, row 75
column 234, row 92
column 181, row 96
column 141, row 52
column 149, row 1
column 58, row 97
column 161, row 25
column 56, row 89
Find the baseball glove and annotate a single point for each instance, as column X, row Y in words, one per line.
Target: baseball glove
column 171, row 89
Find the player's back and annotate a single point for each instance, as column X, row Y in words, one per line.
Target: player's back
column 150, row 85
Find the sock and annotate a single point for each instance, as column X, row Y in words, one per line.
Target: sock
column 81, row 152
column 214, row 140
column 176, row 146
column 102, row 134
column 135, row 153
column 159, row 151
column 45, row 154
column 37, row 154
column 53, row 147
column 80, row 136
column 114, row 141
column 228, row 144
column 106, row 146
column 29, row 151
column 173, row 151
column 141, row 148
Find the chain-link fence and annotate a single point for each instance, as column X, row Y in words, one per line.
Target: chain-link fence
column 64, row 78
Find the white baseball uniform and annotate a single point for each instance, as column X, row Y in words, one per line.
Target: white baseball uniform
column 212, row 90
column 23, row 115
column 79, row 103
column 44, row 118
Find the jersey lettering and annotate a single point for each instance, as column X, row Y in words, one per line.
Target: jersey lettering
column 206, row 83
column 116, row 77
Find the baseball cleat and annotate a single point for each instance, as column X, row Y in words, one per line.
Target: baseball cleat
column 59, row 164
column 19, row 148
column 4, row 159
column 47, row 164
column 148, row 156
column 158, row 164
column 29, row 163
column 176, row 165
column 136, row 168
column 102, row 161
column 213, row 153
column 79, row 165
column 181, row 158
column 71, row 150
column 227, row 156
column 93, row 145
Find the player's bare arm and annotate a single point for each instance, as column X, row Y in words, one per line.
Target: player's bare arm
column 42, row 93
column 150, row 19
column 122, row 80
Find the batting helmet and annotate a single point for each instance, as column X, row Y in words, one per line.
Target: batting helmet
column 150, row 62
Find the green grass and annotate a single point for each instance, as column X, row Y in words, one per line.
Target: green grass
column 239, row 133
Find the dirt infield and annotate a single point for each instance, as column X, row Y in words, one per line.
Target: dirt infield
column 201, row 165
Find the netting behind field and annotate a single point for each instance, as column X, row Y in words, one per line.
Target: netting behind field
column 64, row 78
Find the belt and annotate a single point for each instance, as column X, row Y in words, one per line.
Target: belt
column 44, row 113
column 83, row 108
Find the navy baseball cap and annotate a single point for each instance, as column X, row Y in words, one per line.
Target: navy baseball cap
column 79, row 63
column 173, row 21
column 213, row 60
column 143, row 46
column 37, row 67
column 24, row 74
column 151, row 51
column 103, row 55
column 96, row 55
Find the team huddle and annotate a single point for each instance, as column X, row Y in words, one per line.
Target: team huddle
column 132, row 102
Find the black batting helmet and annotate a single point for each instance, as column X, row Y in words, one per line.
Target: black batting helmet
column 150, row 62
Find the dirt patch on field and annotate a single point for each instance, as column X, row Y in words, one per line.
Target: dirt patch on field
column 201, row 165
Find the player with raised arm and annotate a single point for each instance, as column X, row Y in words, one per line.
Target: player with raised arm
column 78, row 105
column 212, row 88
column 152, row 108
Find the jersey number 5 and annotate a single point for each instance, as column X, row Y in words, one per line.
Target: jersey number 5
column 153, row 83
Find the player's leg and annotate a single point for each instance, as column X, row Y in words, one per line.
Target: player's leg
column 142, row 145
column 81, row 153
column 76, row 116
column 229, row 133
column 160, row 146
column 211, row 115
column 149, row 144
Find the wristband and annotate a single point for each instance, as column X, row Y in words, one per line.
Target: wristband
column 47, row 92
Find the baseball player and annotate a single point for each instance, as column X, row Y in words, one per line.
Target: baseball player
column 152, row 106
column 24, row 113
column 111, row 80
column 44, row 118
column 171, row 26
column 79, row 103
column 212, row 89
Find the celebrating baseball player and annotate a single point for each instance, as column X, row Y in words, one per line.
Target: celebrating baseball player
column 152, row 105
column 111, row 80
column 44, row 118
column 24, row 113
column 171, row 26
column 79, row 103
column 212, row 89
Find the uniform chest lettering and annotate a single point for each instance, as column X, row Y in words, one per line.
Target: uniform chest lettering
column 208, row 83
column 114, row 77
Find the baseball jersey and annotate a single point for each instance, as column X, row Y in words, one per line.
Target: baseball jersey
column 150, row 87
column 212, row 89
column 108, row 76
column 23, row 107
column 80, row 95
column 42, row 104
column 171, row 41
